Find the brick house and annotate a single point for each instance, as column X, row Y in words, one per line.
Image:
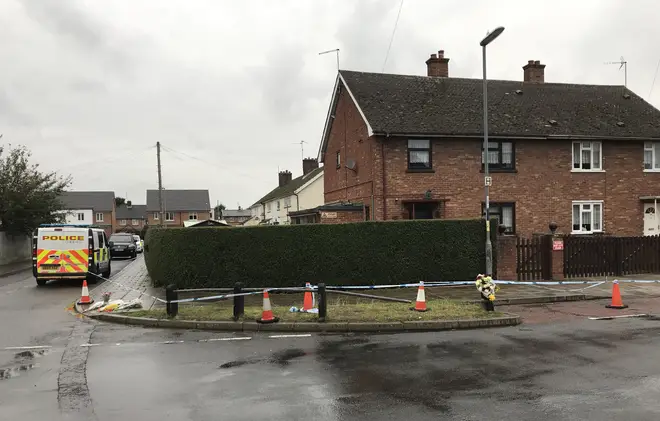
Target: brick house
column 131, row 217
column 235, row 217
column 586, row 157
column 179, row 206
column 90, row 208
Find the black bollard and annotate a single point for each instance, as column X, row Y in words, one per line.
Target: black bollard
column 323, row 302
column 239, row 301
column 171, row 294
column 488, row 304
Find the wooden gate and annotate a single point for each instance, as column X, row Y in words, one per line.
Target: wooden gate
column 610, row 256
column 534, row 258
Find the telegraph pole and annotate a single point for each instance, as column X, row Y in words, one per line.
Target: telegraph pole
column 160, row 187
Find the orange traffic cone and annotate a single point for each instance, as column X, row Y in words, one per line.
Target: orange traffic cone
column 308, row 300
column 617, row 302
column 267, row 314
column 85, row 298
column 420, row 305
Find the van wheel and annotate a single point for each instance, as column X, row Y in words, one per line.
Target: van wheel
column 107, row 273
column 41, row 282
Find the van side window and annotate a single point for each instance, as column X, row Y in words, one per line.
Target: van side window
column 98, row 241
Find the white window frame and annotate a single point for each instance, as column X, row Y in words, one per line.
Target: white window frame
column 135, row 222
column 587, row 146
column 156, row 216
column 192, row 216
column 168, row 215
column 587, row 206
column 654, row 149
column 268, row 207
column 81, row 216
column 278, row 205
column 122, row 222
column 99, row 216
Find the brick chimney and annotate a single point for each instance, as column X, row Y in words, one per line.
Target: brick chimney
column 285, row 177
column 309, row 165
column 438, row 65
column 533, row 72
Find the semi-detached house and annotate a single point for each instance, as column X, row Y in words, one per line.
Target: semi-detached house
column 586, row 157
column 89, row 208
column 292, row 195
column 178, row 206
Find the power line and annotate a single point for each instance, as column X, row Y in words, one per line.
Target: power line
column 655, row 76
column 396, row 23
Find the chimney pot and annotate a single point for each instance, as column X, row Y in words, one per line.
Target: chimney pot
column 437, row 65
column 309, row 165
column 534, row 72
column 284, row 177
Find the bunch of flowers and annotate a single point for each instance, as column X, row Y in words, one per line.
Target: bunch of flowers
column 486, row 286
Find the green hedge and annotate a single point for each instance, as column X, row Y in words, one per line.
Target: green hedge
column 362, row 253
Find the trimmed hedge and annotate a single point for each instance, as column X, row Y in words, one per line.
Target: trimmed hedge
column 363, row 253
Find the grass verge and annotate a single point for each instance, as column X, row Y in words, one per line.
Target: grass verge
column 369, row 311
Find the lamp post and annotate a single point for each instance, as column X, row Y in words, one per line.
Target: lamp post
column 490, row 37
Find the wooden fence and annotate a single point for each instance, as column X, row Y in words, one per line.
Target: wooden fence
column 610, row 256
column 534, row 258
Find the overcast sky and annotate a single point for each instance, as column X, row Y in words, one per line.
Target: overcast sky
column 229, row 87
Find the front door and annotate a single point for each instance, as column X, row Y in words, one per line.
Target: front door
column 651, row 226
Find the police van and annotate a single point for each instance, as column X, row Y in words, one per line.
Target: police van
column 63, row 251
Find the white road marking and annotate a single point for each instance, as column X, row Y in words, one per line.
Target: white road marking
column 618, row 317
column 238, row 338
column 171, row 342
column 17, row 348
column 304, row 335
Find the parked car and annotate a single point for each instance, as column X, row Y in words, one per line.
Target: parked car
column 139, row 245
column 122, row 244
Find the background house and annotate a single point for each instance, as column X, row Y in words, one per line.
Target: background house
column 235, row 216
column 290, row 195
column 90, row 207
column 179, row 206
column 131, row 217
column 586, row 157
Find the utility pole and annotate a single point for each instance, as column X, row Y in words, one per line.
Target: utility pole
column 160, row 187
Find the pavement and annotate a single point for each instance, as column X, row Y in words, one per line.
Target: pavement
column 56, row 366
column 14, row 268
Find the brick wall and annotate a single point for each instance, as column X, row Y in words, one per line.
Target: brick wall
column 349, row 136
column 342, row 217
column 506, row 257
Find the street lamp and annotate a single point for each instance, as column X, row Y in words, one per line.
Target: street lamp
column 490, row 37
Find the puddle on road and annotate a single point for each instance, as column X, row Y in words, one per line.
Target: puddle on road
column 281, row 358
column 11, row 372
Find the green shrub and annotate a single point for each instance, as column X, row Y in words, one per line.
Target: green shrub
column 362, row 253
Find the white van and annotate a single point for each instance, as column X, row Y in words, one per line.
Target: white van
column 62, row 251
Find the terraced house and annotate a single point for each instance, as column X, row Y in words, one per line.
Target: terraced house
column 586, row 157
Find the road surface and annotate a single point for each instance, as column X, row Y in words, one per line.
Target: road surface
column 575, row 369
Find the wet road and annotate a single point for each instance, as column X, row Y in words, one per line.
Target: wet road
column 35, row 316
column 572, row 370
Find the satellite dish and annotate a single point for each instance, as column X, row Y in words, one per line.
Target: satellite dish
column 351, row 164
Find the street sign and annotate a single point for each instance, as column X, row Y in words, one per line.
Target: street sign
column 488, row 181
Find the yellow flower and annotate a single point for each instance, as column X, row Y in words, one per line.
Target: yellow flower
column 491, row 297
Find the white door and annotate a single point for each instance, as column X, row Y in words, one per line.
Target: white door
column 651, row 226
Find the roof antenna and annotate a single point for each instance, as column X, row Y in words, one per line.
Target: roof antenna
column 623, row 64
column 302, row 148
column 336, row 50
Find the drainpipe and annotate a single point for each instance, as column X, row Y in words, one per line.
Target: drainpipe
column 382, row 159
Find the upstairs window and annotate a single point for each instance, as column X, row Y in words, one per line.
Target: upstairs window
column 338, row 159
column 500, row 156
column 587, row 156
column 419, row 154
column 652, row 156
